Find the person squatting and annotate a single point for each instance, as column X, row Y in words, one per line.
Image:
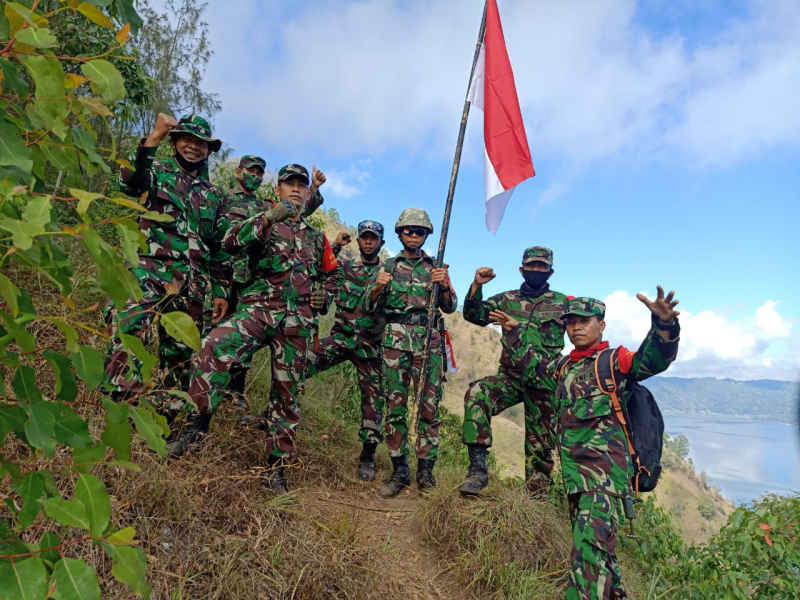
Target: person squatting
column 253, row 272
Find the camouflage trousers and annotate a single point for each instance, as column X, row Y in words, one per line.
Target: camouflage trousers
column 595, row 573
column 488, row 397
column 232, row 344
column 336, row 349
column 398, row 370
column 123, row 372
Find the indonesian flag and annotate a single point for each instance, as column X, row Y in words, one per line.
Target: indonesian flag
column 507, row 156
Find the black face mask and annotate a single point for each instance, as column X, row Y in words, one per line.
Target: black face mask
column 189, row 166
column 535, row 279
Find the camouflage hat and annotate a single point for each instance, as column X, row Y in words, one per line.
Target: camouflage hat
column 198, row 127
column 292, row 170
column 537, row 254
column 413, row 217
column 585, row 307
column 250, row 160
column 371, row 226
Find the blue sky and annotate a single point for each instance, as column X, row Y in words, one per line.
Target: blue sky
column 665, row 136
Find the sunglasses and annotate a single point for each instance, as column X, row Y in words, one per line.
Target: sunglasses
column 418, row 231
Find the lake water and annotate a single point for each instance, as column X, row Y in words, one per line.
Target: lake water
column 744, row 459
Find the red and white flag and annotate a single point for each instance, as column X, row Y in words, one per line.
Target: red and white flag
column 507, row 156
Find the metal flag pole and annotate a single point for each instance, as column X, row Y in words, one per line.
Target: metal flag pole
column 433, row 304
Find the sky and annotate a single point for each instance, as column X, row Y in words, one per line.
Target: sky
column 665, row 137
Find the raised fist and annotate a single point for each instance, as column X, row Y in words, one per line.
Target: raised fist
column 484, row 275
column 383, row 280
column 164, row 124
column 317, row 178
column 342, row 239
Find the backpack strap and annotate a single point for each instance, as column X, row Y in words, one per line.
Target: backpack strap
column 604, row 374
column 561, row 364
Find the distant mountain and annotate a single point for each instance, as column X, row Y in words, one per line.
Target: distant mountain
column 759, row 399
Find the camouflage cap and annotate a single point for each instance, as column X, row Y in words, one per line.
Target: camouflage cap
column 250, row 160
column 537, row 254
column 414, row 217
column 286, row 172
column 371, row 226
column 585, row 307
column 198, row 127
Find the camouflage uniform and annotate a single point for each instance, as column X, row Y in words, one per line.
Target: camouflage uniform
column 356, row 337
column 241, row 204
column 181, row 268
column 595, row 462
column 492, row 395
column 403, row 303
column 287, row 259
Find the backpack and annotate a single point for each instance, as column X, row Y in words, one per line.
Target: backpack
column 640, row 419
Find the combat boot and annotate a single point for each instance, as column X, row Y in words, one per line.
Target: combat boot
column 425, row 479
column 401, row 478
column 275, row 479
column 366, row 462
column 193, row 430
column 477, row 475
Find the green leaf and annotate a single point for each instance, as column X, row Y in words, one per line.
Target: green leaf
column 51, row 105
column 12, row 418
column 105, row 80
column 13, row 152
column 92, row 493
column 40, row 428
column 89, row 364
column 30, row 489
column 129, row 568
column 66, row 388
column 131, row 240
column 96, row 106
column 83, row 459
column 126, row 13
column 71, row 513
column 75, row 580
column 122, row 537
column 181, row 327
column 86, row 142
column 9, row 292
column 49, row 540
column 84, row 199
column 23, row 579
column 24, row 339
column 37, row 37
column 12, row 80
column 116, row 412
column 157, row 216
column 5, row 27
column 70, row 429
column 118, row 436
column 37, row 211
column 19, row 15
column 35, row 216
column 70, row 335
column 151, row 426
column 95, row 15
column 134, row 345
column 24, row 385
column 60, row 156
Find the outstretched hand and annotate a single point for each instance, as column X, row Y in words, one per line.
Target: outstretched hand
column 662, row 307
column 506, row 321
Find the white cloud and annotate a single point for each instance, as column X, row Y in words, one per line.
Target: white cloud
column 711, row 345
column 346, row 184
column 373, row 75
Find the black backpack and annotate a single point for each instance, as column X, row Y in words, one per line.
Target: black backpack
column 641, row 421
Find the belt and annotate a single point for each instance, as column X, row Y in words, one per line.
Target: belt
column 420, row 319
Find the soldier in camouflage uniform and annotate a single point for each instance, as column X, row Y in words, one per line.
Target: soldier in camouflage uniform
column 241, row 203
column 595, row 461
column 356, row 336
column 181, row 269
column 399, row 293
column 536, row 304
column 290, row 261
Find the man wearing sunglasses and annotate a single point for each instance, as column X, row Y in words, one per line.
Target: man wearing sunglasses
column 399, row 293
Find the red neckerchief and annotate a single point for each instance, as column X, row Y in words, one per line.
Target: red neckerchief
column 576, row 355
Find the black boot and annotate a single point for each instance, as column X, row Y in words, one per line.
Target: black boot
column 401, row 478
column 477, row 475
column 275, row 479
column 425, row 480
column 366, row 462
column 194, row 429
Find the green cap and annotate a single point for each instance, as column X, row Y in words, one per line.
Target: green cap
column 414, row 217
column 250, row 160
column 292, row 170
column 198, row 127
column 537, row 254
column 585, row 307
column 370, row 226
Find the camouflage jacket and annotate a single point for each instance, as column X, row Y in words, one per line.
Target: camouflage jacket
column 542, row 314
column 361, row 331
column 186, row 249
column 287, row 260
column 406, row 296
column 594, row 453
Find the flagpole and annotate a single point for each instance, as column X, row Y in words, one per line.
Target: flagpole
column 433, row 299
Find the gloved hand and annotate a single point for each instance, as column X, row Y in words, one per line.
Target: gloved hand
column 317, row 300
column 280, row 212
